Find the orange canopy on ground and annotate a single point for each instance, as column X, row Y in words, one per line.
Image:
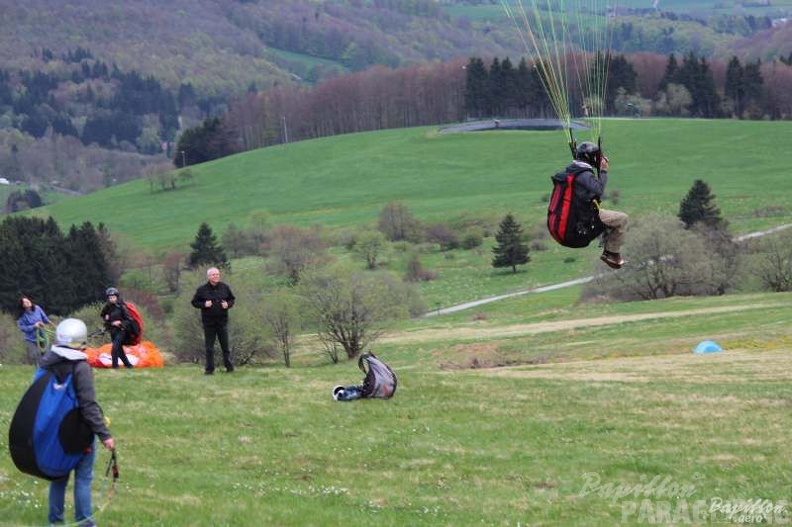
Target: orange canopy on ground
column 143, row 355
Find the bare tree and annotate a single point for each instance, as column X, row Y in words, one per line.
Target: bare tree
column 282, row 315
column 293, row 250
column 666, row 260
column 369, row 246
column 777, row 89
column 775, row 269
column 351, row 308
column 397, row 223
column 443, row 235
column 171, row 269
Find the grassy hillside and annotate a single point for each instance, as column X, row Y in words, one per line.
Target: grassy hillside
column 609, row 403
column 344, row 181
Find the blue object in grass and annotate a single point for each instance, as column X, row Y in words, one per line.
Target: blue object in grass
column 707, row 346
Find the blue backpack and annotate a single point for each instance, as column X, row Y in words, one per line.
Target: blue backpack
column 48, row 435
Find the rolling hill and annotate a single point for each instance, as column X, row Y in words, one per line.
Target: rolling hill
column 344, row 181
column 224, row 47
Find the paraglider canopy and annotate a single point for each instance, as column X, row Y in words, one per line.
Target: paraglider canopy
column 569, row 43
column 707, row 346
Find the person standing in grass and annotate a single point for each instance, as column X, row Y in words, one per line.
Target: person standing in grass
column 31, row 322
column 64, row 358
column 119, row 322
column 214, row 299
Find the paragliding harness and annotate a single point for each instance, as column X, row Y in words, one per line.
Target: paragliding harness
column 572, row 219
column 134, row 325
column 380, row 381
column 48, row 435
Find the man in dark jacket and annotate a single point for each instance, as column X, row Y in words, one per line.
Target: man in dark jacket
column 64, row 357
column 119, row 323
column 214, row 299
column 588, row 156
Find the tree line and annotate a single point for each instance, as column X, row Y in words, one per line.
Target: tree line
column 61, row 271
column 638, row 85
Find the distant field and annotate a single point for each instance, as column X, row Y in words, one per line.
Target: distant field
column 304, row 63
column 344, row 181
column 495, row 12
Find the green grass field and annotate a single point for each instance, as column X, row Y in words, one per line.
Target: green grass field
column 604, row 400
column 345, row 181
column 534, row 410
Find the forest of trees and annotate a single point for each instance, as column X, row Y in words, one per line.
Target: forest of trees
column 86, row 118
column 63, row 272
column 82, row 97
column 640, row 85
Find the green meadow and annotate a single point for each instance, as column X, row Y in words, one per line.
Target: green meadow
column 607, row 418
column 534, row 410
column 344, row 181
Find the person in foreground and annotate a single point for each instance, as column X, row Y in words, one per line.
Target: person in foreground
column 31, row 322
column 588, row 156
column 118, row 321
column 63, row 357
column 214, row 299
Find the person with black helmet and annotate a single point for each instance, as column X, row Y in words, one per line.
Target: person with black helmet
column 591, row 165
column 118, row 322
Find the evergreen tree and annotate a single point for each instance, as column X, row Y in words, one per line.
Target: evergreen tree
column 203, row 143
column 205, row 249
column 509, row 95
column 671, row 74
column 523, row 89
column 110, row 253
column 540, row 104
column 86, row 254
column 621, row 74
column 696, row 75
column 476, row 88
column 35, row 262
column 733, row 89
column 496, row 88
column 753, row 86
column 15, row 266
column 699, row 207
column 510, row 251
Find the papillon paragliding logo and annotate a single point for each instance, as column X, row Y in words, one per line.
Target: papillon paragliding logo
column 569, row 44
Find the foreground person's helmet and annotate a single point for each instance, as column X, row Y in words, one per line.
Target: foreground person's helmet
column 71, row 332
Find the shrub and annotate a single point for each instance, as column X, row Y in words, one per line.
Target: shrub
column 472, row 238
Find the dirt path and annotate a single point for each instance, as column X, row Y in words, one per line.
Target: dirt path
column 469, row 332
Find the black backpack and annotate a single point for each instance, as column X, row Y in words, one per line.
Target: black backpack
column 572, row 219
column 48, row 436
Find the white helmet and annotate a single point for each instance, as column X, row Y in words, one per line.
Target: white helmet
column 71, row 332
